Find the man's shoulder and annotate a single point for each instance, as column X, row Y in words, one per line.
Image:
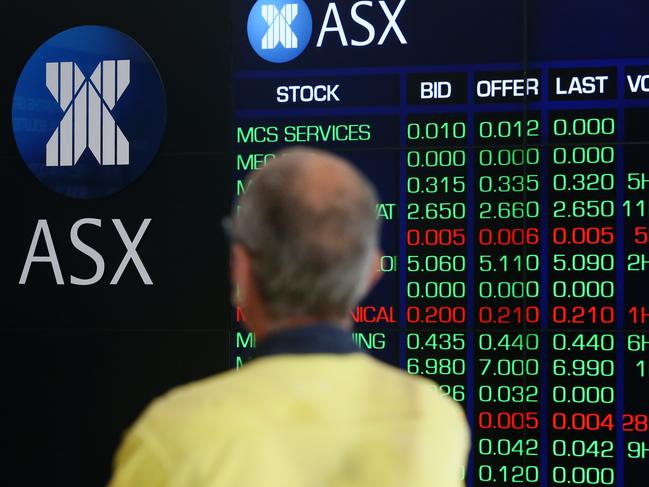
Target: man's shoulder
column 232, row 399
column 216, row 398
column 424, row 392
column 194, row 422
column 210, row 392
column 186, row 410
column 263, row 395
column 231, row 387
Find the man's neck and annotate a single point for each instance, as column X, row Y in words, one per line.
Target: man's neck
column 302, row 321
column 314, row 338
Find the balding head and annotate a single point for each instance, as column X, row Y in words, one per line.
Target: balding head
column 308, row 221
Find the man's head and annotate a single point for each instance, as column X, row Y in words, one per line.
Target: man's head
column 305, row 241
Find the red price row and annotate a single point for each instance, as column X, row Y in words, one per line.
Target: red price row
column 518, row 315
column 456, row 237
column 562, row 421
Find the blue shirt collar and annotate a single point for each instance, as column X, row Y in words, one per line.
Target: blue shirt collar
column 310, row 339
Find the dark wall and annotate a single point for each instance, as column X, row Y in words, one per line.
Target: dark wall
column 78, row 364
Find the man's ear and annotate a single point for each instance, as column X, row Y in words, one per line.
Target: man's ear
column 376, row 274
column 240, row 273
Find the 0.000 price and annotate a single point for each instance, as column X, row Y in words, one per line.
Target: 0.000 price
column 583, row 475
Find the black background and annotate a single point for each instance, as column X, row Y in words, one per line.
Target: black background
column 78, row 364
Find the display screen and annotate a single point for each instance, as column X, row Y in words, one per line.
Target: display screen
column 509, row 143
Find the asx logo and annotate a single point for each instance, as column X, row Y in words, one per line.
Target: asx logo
column 89, row 136
column 280, row 30
column 88, row 117
column 43, row 234
column 87, row 106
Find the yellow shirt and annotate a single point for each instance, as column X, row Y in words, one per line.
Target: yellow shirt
column 315, row 420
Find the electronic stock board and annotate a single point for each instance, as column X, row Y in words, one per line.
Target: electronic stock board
column 509, row 142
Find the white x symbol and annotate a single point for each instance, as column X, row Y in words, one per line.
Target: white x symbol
column 87, row 113
column 279, row 26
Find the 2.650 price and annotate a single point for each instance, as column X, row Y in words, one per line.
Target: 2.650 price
column 437, row 211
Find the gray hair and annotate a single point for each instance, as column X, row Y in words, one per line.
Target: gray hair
column 308, row 220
